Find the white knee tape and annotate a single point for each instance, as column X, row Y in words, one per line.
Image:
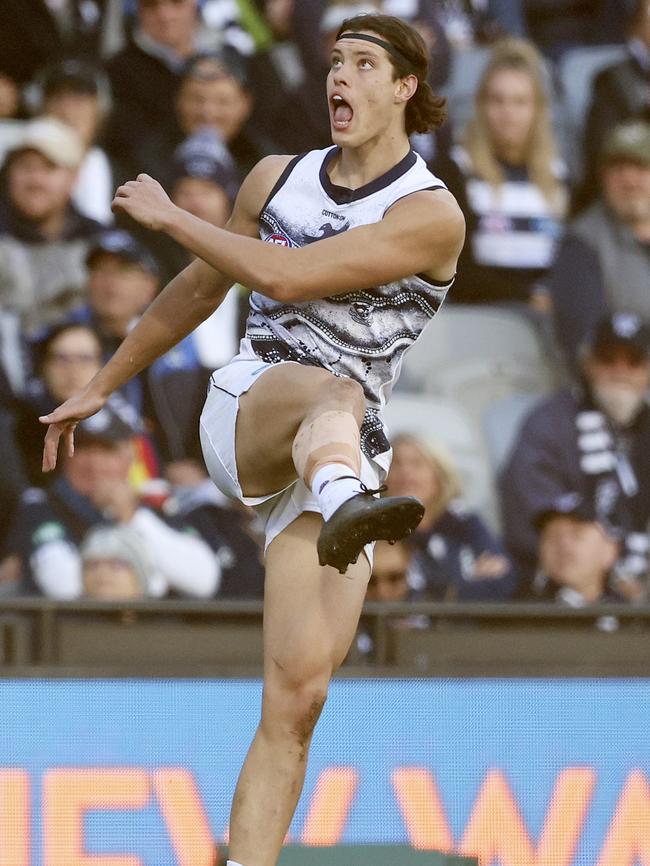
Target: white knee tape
column 332, row 437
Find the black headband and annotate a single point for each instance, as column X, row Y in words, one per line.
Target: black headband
column 394, row 52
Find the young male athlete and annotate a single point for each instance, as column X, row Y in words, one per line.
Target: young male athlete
column 349, row 253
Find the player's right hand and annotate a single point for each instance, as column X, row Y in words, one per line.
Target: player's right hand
column 62, row 422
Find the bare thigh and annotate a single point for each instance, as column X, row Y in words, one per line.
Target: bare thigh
column 269, row 416
column 310, row 612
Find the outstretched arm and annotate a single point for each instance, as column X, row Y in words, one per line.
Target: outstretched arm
column 183, row 304
column 421, row 233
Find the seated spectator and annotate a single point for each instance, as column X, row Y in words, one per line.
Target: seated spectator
column 592, row 439
column 145, row 76
column 168, row 395
column 115, row 564
column 202, row 179
column 603, row 264
column 458, row 558
column 228, row 529
column 35, row 33
column 577, row 553
column 619, row 93
column 43, row 238
column 93, row 489
column 508, row 182
column 77, row 93
column 393, row 573
column 65, row 362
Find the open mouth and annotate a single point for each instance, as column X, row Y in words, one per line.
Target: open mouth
column 341, row 112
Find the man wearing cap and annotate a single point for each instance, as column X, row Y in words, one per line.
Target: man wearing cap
column 593, row 439
column 123, row 279
column 603, row 263
column 620, row 92
column 577, row 553
column 43, row 238
column 94, row 490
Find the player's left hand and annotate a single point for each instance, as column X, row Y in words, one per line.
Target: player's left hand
column 145, row 201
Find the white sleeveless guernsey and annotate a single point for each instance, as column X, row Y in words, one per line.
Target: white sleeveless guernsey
column 361, row 334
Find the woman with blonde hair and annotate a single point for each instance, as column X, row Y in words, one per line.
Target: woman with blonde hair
column 455, row 555
column 509, row 181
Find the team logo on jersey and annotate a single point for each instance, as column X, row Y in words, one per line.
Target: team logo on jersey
column 362, row 312
column 327, row 230
column 278, row 239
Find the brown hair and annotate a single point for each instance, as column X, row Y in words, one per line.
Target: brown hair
column 522, row 56
column 424, row 110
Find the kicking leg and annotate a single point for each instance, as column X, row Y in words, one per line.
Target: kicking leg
column 304, row 422
column 310, row 618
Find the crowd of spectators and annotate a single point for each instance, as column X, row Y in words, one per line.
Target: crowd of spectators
column 195, row 92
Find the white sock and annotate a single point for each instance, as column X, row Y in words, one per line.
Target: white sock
column 232, row 863
column 332, row 489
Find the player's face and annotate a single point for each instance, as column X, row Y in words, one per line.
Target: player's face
column 361, row 92
column 509, row 109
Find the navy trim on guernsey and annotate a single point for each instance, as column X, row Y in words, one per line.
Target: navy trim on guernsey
column 344, row 195
column 280, row 182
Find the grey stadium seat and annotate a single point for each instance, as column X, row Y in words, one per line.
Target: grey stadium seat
column 438, row 421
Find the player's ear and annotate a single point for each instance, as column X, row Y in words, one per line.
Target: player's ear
column 406, row 87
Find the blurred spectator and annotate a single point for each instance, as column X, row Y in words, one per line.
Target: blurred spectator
column 40, row 31
column 458, row 558
column 508, row 182
column 115, row 564
column 603, row 263
column 468, row 23
column 9, row 97
column 577, row 553
column 93, row 490
column 78, row 93
column 43, row 238
column 557, row 25
column 66, row 361
column 145, row 76
column 215, row 94
column 169, row 394
column 204, row 182
column 593, row 439
column 393, row 573
column 619, row 93
column 389, row 578
column 228, row 529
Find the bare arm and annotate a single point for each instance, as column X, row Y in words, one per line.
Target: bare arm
column 422, row 233
column 183, row 304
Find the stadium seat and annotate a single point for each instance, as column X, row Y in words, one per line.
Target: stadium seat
column 474, row 356
column 441, row 422
column 501, row 424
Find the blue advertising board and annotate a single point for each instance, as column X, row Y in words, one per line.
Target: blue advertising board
column 516, row 772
